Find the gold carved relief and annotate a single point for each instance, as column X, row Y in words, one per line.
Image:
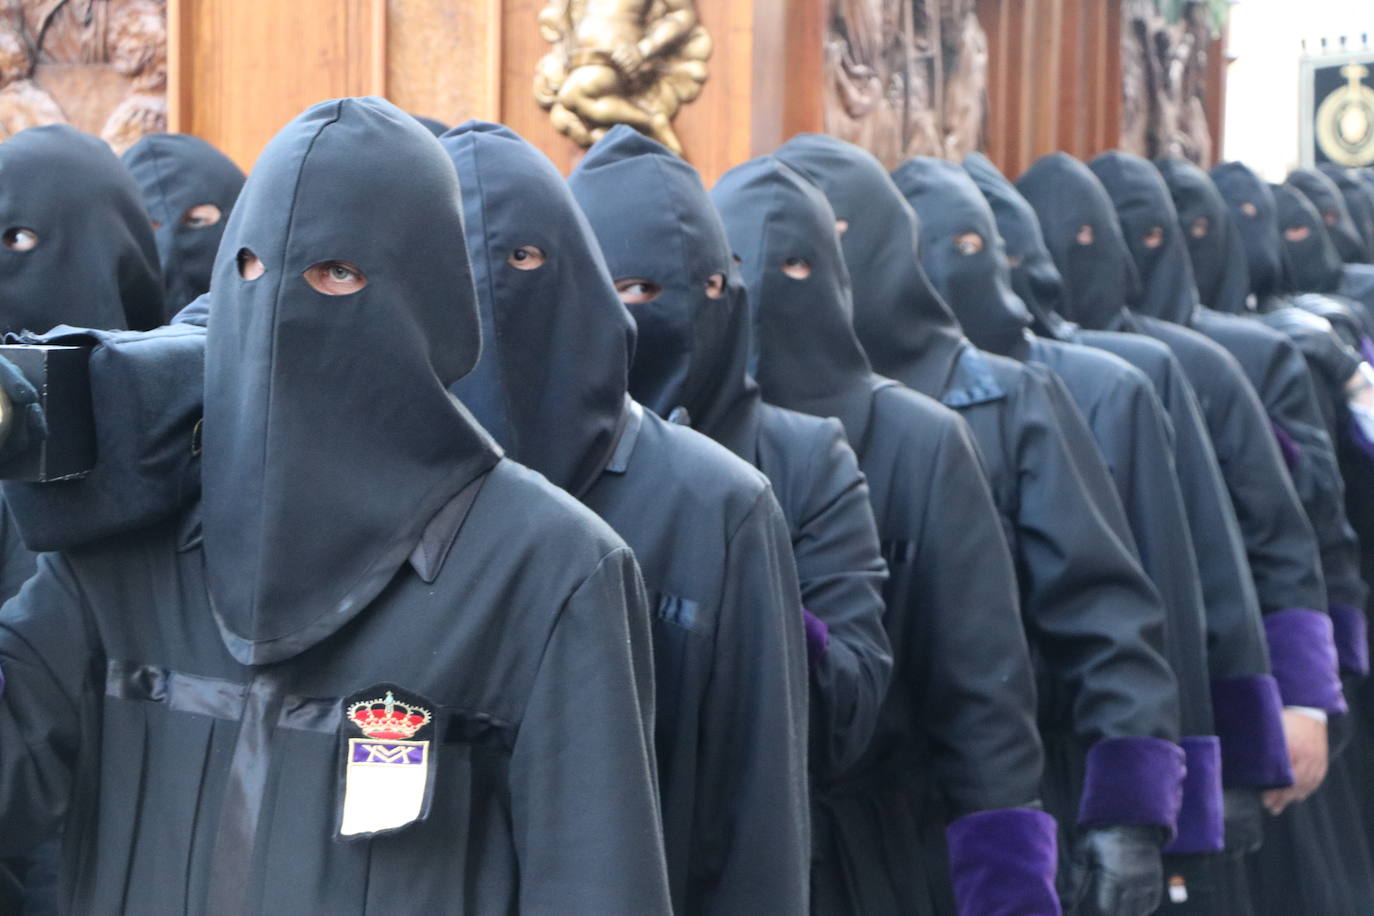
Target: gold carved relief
column 614, row 62
column 100, row 65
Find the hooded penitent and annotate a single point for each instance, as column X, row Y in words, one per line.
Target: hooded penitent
column 1311, row 261
column 1359, row 200
column 1033, row 275
column 730, row 675
column 808, row 357
column 1149, row 224
column 1254, row 215
column 1330, row 204
column 189, row 189
column 963, row 255
column 1084, row 238
column 554, row 401
column 694, row 346
column 1215, row 247
column 77, row 246
column 312, row 499
column 907, row 331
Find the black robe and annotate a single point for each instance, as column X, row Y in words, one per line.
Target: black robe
column 1129, row 427
column 730, row 667
column 198, row 710
column 956, row 743
column 175, row 174
column 1078, row 578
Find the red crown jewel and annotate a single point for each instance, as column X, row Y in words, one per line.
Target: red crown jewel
column 388, row 718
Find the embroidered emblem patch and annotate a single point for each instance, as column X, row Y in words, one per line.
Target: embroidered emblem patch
column 387, row 773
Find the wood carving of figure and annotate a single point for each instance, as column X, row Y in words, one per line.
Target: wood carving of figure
column 138, row 49
column 614, row 62
column 23, row 103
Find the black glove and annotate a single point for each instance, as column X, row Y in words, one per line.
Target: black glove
column 28, row 426
column 1117, row 871
column 1244, row 816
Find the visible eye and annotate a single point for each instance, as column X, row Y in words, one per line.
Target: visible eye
column 715, row 286
column 738, row 259
column 1013, row 261
column 968, row 243
column 157, row 224
column 637, row 290
column 335, row 278
column 21, row 238
column 1330, row 217
column 797, row 268
column 1249, row 209
column 200, row 216
column 526, row 257
column 1297, row 233
column 1200, row 227
column 1154, row 237
column 1085, row 235
column 841, row 226
column 250, row 268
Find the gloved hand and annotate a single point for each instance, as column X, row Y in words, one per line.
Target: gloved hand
column 27, row 425
column 1244, row 819
column 1117, row 871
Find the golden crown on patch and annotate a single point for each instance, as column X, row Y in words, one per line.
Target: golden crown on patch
column 387, row 718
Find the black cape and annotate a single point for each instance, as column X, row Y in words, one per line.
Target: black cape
column 1076, row 572
column 176, row 173
column 531, row 708
column 729, row 664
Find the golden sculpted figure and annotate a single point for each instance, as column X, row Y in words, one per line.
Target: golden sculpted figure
column 614, row 62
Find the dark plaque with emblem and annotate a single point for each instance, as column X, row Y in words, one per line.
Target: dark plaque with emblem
column 1338, row 109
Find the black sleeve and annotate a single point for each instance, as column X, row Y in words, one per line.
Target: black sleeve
column 584, row 800
column 1091, row 611
column 841, row 570
column 971, row 668
column 46, row 658
column 17, row 563
column 752, row 822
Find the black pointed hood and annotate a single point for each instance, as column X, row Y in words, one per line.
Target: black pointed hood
column 551, row 383
column 1149, row 224
column 1254, row 215
column 1034, row 276
column 76, row 246
column 331, row 439
column 1081, row 231
column 1359, row 200
column 175, row 173
column 808, row 357
column 1214, row 245
column 907, row 330
column 693, row 351
column 963, row 254
column 1330, row 204
column 1311, row 263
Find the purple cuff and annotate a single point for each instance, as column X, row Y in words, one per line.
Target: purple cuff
column 1201, row 820
column 1292, row 452
column 817, row 637
column 1367, row 350
column 1002, row 863
column 1135, row 782
column 1249, row 721
column 1303, row 653
column 1350, row 629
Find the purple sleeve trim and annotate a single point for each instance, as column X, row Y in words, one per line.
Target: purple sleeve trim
column 1303, row 652
column 817, row 637
column 1249, row 721
column 1292, row 452
column 1132, row 782
column 1002, row 863
column 1367, row 349
column 1201, row 820
column 1351, row 631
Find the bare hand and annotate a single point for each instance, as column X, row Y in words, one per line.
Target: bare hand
column 1307, row 751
